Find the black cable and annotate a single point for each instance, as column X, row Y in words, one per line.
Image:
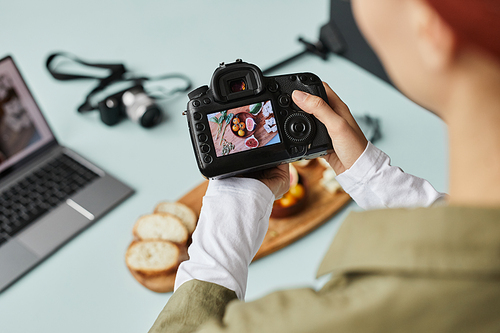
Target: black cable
column 370, row 126
column 118, row 73
column 316, row 49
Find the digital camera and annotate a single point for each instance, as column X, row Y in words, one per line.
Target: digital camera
column 133, row 103
column 246, row 122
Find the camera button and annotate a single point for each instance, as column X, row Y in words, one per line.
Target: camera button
column 196, row 103
column 292, row 77
column 284, row 100
column 283, row 113
column 294, row 150
column 202, row 137
column 199, row 127
column 302, row 78
column 198, row 92
column 207, row 159
column 204, row 148
column 197, row 115
column 273, row 87
column 298, row 128
column 207, row 101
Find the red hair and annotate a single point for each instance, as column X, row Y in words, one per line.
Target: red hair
column 475, row 22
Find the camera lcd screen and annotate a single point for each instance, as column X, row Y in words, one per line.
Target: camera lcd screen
column 243, row 128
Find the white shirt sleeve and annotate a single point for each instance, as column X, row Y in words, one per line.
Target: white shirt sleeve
column 373, row 183
column 233, row 222
column 235, row 216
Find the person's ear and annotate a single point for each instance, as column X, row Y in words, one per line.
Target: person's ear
column 436, row 41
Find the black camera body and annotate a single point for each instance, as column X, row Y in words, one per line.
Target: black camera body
column 246, row 122
column 133, row 103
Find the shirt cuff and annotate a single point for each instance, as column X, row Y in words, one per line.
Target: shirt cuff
column 242, row 187
column 373, row 183
column 363, row 169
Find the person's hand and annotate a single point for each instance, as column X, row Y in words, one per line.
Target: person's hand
column 348, row 140
column 277, row 179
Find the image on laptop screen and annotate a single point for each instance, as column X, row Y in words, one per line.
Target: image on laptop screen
column 22, row 127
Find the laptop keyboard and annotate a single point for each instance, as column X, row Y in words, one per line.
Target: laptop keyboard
column 25, row 201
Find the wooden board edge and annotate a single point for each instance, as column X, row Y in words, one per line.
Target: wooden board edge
column 285, row 241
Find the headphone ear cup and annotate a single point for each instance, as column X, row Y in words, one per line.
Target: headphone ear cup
column 110, row 110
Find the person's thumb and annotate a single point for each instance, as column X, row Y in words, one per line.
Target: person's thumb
column 311, row 103
column 317, row 106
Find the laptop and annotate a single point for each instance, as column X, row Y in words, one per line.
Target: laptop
column 48, row 193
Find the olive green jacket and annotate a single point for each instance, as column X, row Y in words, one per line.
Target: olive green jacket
column 421, row 270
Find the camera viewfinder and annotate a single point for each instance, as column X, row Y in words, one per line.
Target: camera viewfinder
column 237, row 85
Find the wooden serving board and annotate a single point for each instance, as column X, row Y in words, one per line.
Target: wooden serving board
column 320, row 206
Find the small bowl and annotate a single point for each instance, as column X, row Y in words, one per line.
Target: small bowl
column 281, row 212
column 242, row 116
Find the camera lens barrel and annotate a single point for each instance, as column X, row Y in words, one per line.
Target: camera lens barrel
column 141, row 108
column 151, row 116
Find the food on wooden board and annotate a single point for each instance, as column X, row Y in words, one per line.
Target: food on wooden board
column 294, row 200
column 187, row 216
column 160, row 245
column 150, row 257
column 154, row 263
column 161, row 226
column 251, row 142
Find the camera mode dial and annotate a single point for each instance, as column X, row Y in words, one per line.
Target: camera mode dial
column 299, row 127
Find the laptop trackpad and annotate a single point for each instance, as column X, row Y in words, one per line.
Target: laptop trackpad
column 53, row 230
column 14, row 261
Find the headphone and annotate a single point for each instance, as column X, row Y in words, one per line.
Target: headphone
column 134, row 102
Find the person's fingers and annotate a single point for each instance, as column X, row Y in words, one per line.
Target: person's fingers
column 348, row 140
column 335, row 102
column 335, row 115
column 316, row 106
column 280, row 179
column 341, row 108
column 284, row 168
column 277, row 179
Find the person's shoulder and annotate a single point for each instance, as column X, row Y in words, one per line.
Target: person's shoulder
column 395, row 302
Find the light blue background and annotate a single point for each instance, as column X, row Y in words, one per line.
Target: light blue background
column 85, row 287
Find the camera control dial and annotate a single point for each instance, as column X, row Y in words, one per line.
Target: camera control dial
column 299, row 127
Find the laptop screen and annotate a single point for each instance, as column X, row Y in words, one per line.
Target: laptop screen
column 23, row 129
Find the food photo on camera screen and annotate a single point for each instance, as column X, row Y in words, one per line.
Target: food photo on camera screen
column 243, row 128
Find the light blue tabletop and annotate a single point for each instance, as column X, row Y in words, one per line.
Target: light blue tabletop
column 86, row 287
